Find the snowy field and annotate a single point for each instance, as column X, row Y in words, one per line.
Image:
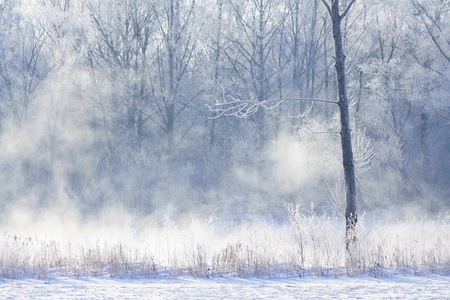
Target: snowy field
column 123, row 258
column 324, row 287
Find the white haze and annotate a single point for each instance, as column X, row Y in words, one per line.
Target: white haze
column 74, row 183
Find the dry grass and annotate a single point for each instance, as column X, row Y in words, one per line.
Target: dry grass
column 313, row 245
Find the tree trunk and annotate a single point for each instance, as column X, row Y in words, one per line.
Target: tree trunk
column 346, row 140
column 212, row 134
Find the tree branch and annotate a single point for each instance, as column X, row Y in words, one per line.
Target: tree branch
column 347, row 9
column 246, row 108
column 327, row 6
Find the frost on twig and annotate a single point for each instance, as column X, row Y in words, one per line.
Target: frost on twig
column 337, row 198
column 241, row 108
column 246, row 108
column 363, row 151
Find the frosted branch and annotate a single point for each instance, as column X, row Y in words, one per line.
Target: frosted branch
column 363, row 153
column 347, row 9
column 246, row 108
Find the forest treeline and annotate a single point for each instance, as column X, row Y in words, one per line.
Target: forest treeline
column 107, row 102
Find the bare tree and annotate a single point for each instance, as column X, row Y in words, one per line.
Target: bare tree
column 62, row 22
column 250, row 52
column 122, row 54
column 174, row 54
column 24, row 65
column 245, row 108
column 433, row 19
column 336, row 16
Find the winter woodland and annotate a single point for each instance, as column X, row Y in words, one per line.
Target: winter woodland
column 145, row 113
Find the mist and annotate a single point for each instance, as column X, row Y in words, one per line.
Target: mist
column 102, row 125
column 139, row 139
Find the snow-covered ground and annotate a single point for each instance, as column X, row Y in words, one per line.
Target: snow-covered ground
column 323, row 287
column 201, row 259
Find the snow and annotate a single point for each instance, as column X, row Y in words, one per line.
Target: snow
column 204, row 260
column 323, row 287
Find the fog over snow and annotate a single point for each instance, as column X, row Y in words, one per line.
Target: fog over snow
column 186, row 149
